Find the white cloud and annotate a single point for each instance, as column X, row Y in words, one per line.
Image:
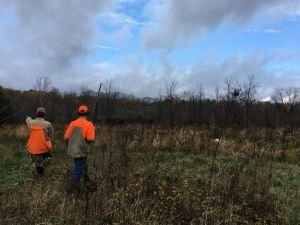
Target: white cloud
column 177, row 23
column 272, row 31
column 126, row 1
column 117, row 18
column 120, row 28
column 267, row 31
column 103, row 65
column 107, row 47
column 119, row 37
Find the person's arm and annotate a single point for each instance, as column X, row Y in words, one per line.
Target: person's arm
column 90, row 134
column 50, row 130
column 28, row 121
column 68, row 132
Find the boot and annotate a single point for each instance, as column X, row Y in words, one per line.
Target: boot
column 36, row 169
column 45, row 162
column 71, row 187
column 43, row 165
column 40, row 170
column 86, row 179
column 32, row 168
column 89, row 184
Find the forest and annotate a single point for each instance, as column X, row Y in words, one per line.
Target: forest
column 234, row 104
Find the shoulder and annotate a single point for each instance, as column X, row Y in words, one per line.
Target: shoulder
column 72, row 123
column 42, row 122
column 28, row 120
column 48, row 123
column 85, row 122
column 90, row 124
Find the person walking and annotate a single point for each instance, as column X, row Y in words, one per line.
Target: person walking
column 79, row 135
column 39, row 143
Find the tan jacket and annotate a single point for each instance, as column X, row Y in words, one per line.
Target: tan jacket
column 41, row 122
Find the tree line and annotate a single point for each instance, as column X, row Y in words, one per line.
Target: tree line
column 234, row 105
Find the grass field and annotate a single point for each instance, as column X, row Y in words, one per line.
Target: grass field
column 156, row 175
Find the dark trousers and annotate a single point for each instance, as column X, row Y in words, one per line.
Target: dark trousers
column 80, row 169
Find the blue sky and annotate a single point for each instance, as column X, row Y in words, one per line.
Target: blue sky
column 141, row 44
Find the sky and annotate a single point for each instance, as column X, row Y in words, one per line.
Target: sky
column 140, row 45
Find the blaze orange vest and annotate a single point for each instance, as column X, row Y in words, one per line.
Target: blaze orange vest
column 37, row 143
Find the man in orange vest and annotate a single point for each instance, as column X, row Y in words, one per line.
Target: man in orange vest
column 79, row 135
column 39, row 144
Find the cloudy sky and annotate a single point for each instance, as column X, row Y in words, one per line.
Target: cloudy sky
column 141, row 44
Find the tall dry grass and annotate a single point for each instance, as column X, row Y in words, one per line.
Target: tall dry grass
column 158, row 175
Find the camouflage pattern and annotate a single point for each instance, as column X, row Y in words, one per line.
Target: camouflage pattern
column 40, row 162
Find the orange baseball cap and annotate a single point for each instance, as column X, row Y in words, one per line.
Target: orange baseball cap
column 83, row 109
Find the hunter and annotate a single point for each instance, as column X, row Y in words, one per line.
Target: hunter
column 79, row 135
column 39, row 144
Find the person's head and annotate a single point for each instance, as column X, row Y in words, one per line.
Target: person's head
column 41, row 112
column 83, row 110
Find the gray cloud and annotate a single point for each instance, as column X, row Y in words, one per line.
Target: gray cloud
column 144, row 80
column 212, row 73
column 179, row 22
column 47, row 36
column 134, row 76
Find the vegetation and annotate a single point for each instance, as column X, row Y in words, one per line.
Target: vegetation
column 151, row 174
column 234, row 105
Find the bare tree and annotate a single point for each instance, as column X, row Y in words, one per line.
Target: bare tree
column 160, row 106
column 70, row 101
column 228, row 89
column 278, row 96
column 232, row 99
column 111, row 95
column 288, row 98
column 217, row 105
column 293, row 97
column 170, row 88
column 248, row 92
column 190, row 97
column 171, row 98
column 200, row 97
column 84, row 95
column 55, row 102
column 42, row 85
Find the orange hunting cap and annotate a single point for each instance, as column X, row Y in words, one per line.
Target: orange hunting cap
column 83, row 109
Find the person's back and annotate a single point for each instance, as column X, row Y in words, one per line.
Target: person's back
column 40, row 122
column 79, row 133
column 39, row 143
column 40, row 133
